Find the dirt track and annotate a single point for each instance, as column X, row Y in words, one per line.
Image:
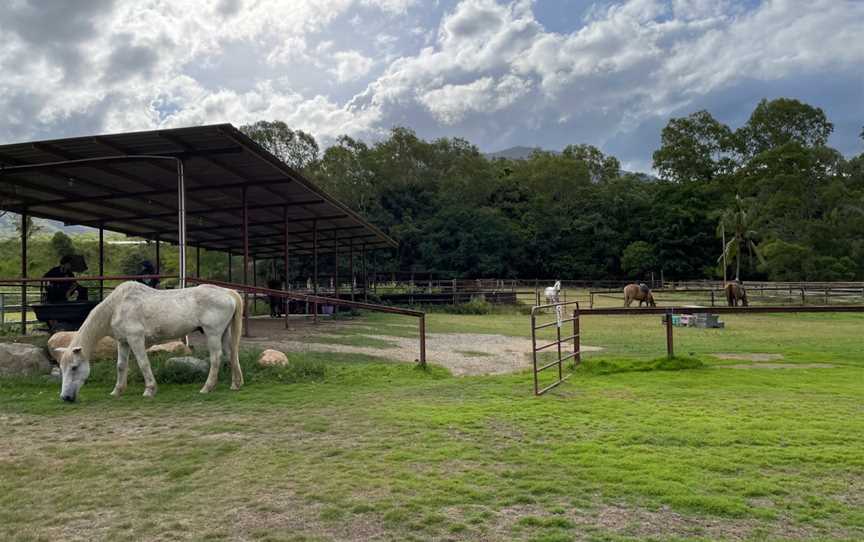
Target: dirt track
column 461, row 353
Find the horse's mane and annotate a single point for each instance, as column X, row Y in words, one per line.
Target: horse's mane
column 98, row 322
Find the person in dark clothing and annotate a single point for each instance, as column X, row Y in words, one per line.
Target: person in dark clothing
column 63, row 291
column 146, row 268
column 277, row 303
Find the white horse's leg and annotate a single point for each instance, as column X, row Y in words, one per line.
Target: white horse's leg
column 140, row 351
column 214, row 345
column 122, row 368
column 227, row 350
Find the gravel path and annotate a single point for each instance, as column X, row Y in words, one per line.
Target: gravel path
column 750, row 357
column 461, row 353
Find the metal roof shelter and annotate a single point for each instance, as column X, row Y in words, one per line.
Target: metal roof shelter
column 135, row 183
column 209, row 187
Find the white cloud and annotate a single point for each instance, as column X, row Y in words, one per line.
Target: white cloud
column 350, row 65
column 450, row 103
column 487, row 68
column 631, row 61
column 392, row 6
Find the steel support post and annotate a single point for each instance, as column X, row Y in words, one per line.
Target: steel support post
column 158, row 256
column 101, row 262
column 315, row 268
column 181, row 225
column 351, row 266
column 24, row 273
column 245, row 233
column 286, row 300
column 335, row 267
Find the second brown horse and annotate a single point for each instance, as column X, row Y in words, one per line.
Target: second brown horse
column 640, row 293
column 735, row 293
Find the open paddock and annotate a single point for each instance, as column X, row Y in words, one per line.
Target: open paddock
column 358, row 446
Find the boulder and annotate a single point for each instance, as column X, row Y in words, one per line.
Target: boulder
column 269, row 358
column 18, row 359
column 189, row 363
column 106, row 348
column 172, row 347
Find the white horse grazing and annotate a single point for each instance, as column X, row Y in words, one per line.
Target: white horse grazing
column 134, row 313
column 553, row 293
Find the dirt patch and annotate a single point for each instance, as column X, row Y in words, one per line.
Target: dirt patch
column 750, row 357
column 628, row 521
column 779, row 366
column 458, row 352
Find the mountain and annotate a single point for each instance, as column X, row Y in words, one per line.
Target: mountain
column 9, row 222
column 516, row 153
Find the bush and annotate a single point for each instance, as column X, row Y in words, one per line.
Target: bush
column 177, row 373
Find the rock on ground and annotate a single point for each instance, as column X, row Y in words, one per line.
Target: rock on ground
column 188, row 362
column 23, row 360
column 269, row 358
column 172, row 347
column 106, row 348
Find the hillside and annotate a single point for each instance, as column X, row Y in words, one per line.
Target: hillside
column 9, row 221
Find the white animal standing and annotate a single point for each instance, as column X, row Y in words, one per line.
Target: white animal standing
column 134, row 313
column 553, row 293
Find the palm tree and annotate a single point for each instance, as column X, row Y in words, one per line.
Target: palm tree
column 738, row 221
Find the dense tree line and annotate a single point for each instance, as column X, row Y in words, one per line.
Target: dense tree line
column 576, row 215
column 788, row 206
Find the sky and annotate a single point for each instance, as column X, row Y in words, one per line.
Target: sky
column 498, row 73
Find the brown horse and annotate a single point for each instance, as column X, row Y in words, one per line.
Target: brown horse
column 640, row 293
column 734, row 293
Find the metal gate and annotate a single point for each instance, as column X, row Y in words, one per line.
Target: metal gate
column 557, row 310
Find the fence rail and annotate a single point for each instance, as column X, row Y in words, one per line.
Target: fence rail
column 771, row 295
column 321, row 300
column 668, row 312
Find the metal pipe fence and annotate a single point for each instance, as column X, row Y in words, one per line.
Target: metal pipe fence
column 769, row 295
column 558, row 362
column 669, row 312
column 322, row 300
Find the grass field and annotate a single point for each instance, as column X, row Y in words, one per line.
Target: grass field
column 349, row 447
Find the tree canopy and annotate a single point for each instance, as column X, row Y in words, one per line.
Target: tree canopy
column 577, row 215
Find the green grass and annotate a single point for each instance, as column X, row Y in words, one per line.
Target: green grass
column 799, row 337
column 632, row 447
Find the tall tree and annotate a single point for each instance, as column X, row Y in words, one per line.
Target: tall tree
column 294, row 147
column 778, row 122
column 736, row 224
column 602, row 168
column 695, row 148
column 62, row 244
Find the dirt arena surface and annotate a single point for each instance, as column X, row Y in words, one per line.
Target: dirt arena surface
column 464, row 354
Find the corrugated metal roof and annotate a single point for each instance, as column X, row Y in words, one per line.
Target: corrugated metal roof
column 138, row 196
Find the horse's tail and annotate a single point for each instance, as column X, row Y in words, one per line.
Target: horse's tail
column 236, row 332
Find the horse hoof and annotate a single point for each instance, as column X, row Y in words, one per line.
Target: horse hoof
column 236, row 387
column 149, row 393
column 116, row 393
column 205, row 390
